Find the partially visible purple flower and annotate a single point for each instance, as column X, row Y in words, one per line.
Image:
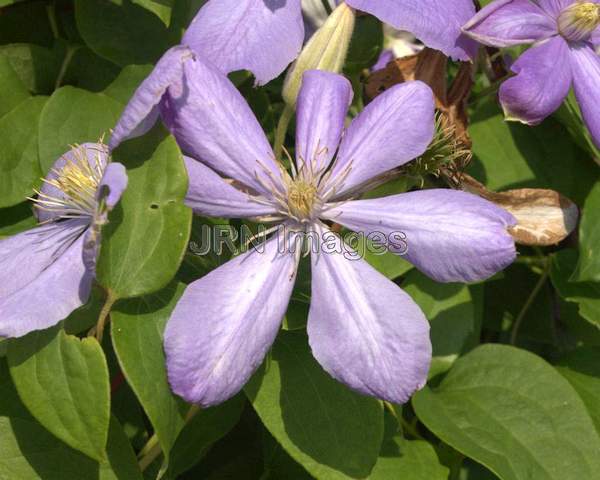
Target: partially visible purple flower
column 264, row 36
column 47, row 272
column 564, row 34
column 363, row 329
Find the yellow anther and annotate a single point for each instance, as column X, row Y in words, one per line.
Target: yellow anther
column 579, row 20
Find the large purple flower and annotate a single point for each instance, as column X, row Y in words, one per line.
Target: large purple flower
column 264, row 36
column 47, row 272
column 564, row 34
column 363, row 329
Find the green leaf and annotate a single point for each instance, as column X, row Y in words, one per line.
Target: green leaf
column 331, row 431
column 160, row 8
column 509, row 410
column 453, row 314
column 30, row 452
column 123, row 33
column 73, row 116
column 582, row 369
column 569, row 115
column 588, row 268
column 19, row 161
column 201, row 432
column 12, row 90
column 64, row 383
column 16, row 219
column 26, row 22
column 137, row 327
column 512, row 155
column 585, row 294
column 37, row 67
column 144, row 243
column 408, row 460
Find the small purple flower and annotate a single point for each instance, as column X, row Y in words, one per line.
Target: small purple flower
column 564, row 34
column 47, row 272
column 364, row 330
column 264, row 36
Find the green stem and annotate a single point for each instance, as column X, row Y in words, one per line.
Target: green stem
column 532, row 296
column 51, row 11
column 98, row 331
column 65, row 65
column 282, row 127
column 151, row 451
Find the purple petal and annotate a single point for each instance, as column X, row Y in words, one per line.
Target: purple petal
column 586, row 81
column 262, row 36
column 211, row 195
column 323, row 102
column 42, row 277
column 97, row 156
column 364, row 330
column 141, row 112
column 113, row 184
column 213, row 123
column 225, row 323
column 385, row 57
column 451, row 236
column 543, row 81
column 554, row 7
column 393, row 129
column 511, row 22
column 596, row 37
column 436, row 23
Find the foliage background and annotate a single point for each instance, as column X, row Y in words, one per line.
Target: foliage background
column 503, row 402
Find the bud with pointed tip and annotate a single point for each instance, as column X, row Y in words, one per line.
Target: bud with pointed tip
column 326, row 50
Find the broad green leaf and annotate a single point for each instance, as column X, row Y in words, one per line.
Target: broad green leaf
column 37, row 67
column 569, row 115
column 585, row 294
column 144, row 243
column 160, row 8
column 19, row 161
column 16, row 219
column 509, row 410
column 64, row 383
column 511, row 155
column 452, row 313
column 137, row 327
column 73, row 116
column 408, row 460
column 331, row 431
column 12, row 90
column 588, row 268
column 30, row 452
column 123, row 33
column 201, row 432
column 582, row 369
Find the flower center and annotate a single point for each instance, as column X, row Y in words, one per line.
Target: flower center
column 70, row 191
column 579, row 20
column 301, row 198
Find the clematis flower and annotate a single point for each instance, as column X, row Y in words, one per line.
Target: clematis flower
column 364, row 330
column 564, row 34
column 264, row 36
column 47, row 272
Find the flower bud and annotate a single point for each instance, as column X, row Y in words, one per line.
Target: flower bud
column 326, row 50
column 579, row 20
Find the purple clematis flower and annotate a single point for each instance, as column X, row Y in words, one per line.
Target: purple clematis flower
column 564, row 34
column 264, row 36
column 47, row 272
column 363, row 329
